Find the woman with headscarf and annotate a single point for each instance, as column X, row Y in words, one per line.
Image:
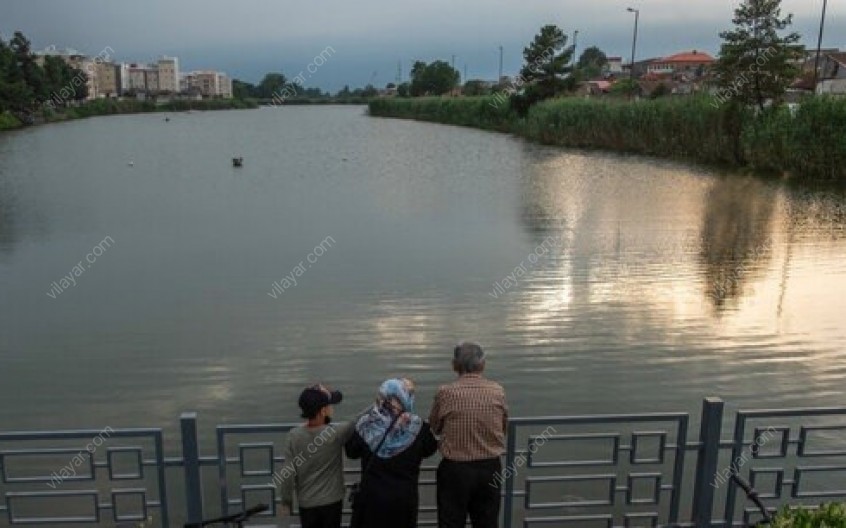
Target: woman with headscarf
column 392, row 442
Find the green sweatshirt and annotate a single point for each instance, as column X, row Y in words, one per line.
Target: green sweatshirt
column 314, row 465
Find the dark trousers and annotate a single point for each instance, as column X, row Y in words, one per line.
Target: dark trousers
column 328, row 516
column 469, row 488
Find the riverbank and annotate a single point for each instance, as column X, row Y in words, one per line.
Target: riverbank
column 808, row 143
column 113, row 107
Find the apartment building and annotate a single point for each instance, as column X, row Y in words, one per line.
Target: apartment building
column 107, row 79
column 142, row 79
column 208, row 83
column 168, row 70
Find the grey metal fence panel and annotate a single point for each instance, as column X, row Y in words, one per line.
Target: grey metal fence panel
column 615, row 479
column 784, row 436
column 79, row 450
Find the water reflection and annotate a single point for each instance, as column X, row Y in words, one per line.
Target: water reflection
column 737, row 231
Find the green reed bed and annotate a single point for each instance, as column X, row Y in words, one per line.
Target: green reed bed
column 808, row 143
column 487, row 113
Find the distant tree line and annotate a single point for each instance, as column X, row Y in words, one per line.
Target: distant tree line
column 26, row 86
column 277, row 88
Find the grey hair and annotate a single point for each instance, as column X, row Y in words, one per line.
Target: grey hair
column 468, row 358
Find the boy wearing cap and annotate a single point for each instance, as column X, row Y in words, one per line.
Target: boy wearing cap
column 314, row 461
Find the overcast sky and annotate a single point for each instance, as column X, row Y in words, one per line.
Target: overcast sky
column 250, row 37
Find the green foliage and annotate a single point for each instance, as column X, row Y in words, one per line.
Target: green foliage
column 8, row 121
column 810, row 144
column 404, row 90
column 475, row 88
column 271, row 85
column 244, row 90
column 816, row 139
column 547, row 61
column 684, row 129
column 625, row 87
column 437, row 78
column 591, row 63
column 662, row 90
column 827, row 516
column 25, row 86
column 479, row 112
column 756, row 63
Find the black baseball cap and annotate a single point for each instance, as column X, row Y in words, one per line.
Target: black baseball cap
column 313, row 398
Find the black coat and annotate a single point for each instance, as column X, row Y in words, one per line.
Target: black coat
column 389, row 496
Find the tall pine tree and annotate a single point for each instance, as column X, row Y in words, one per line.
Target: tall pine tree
column 548, row 62
column 757, row 64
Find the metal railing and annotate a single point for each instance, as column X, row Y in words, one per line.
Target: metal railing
column 600, row 470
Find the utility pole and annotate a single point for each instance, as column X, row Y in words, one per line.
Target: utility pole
column 499, row 79
column 634, row 48
column 399, row 72
column 819, row 47
column 465, row 72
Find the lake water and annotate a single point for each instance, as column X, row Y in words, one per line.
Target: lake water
column 597, row 283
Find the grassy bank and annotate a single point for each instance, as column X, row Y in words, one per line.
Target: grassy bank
column 809, row 144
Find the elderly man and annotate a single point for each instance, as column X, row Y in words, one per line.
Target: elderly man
column 470, row 415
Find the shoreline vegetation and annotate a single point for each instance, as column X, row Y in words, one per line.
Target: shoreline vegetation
column 807, row 142
column 104, row 107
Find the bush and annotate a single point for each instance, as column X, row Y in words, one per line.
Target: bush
column 8, row 121
column 827, row 516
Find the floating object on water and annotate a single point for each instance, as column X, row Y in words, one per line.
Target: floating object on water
column 237, row 162
column 167, row 120
column 131, row 163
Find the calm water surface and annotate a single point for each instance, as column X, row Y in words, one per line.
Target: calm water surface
column 598, row 283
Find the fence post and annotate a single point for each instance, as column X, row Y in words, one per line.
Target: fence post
column 508, row 472
column 191, row 457
column 706, row 463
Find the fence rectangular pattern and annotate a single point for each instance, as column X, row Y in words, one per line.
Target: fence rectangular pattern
column 612, row 471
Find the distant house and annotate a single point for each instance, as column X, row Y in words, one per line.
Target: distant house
column 614, row 65
column 832, row 78
column 690, row 63
column 640, row 67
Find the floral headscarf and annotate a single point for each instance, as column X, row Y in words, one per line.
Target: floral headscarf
column 373, row 425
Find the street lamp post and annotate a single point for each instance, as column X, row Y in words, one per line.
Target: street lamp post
column 499, row 79
column 634, row 47
column 575, row 46
column 819, row 46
